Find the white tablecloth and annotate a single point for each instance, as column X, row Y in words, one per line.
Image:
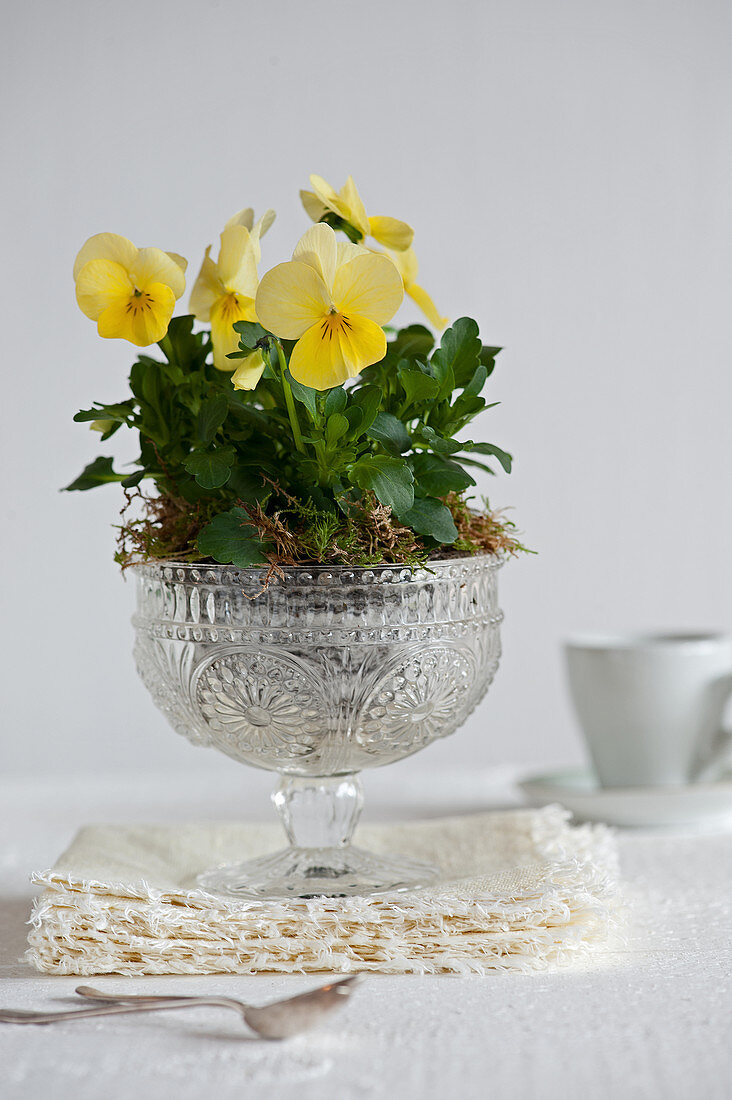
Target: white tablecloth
column 653, row 1020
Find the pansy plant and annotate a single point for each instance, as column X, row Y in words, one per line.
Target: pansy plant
column 286, row 419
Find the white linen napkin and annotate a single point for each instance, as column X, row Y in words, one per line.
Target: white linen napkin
column 520, row 889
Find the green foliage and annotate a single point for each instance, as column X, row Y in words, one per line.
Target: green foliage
column 250, row 333
column 98, row 472
column 230, row 537
column 428, row 516
column 389, row 439
column 390, row 478
column 211, row 469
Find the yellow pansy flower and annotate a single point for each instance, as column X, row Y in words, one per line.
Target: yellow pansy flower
column 249, row 371
column 407, row 266
column 347, row 204
column 245, row 217
column 130, row 292
column 332, row 297
column 224, row 291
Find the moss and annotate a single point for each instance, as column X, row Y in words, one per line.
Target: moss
column 481, row 532
column 297, row 532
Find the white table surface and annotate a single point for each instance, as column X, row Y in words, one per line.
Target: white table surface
column 652, row 1020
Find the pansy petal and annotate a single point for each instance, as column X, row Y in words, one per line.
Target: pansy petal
column 325, row 193
column 142, row 319
column 106, row 246
column 265, row 222
column 259, row 230
column 406, row 264
column 419, row 295
column 224, row 314
column 291, row 298
column 181, row 261
column 243, row 217
column 369, row 286
column 206, row 289
column 353, row 207
column 237, row 262
column 318, row 248
column 363, row 342
column 250, row 370
column 391, row 233
column 314, row 208
column 99, row 284
column 335, row 349
column 317, row 358
column 152, row 265
column 347, row 250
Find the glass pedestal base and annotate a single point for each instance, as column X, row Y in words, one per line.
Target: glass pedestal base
column 314, row 872
column 319, row 815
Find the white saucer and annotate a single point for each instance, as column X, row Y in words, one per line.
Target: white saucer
column 699, row 805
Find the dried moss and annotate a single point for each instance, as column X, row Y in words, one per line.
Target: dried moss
column 481, row 532
column 299, row 533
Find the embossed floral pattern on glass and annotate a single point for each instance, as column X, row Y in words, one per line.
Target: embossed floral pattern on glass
column 323, row 672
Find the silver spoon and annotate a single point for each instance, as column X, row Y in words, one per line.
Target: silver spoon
column 278, row 1020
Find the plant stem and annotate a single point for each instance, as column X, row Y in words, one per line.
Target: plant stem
column 319, row 444
column 289, row 400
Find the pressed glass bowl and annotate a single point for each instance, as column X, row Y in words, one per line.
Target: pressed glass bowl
column 317, row 674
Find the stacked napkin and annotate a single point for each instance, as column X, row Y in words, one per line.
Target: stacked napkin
column 520, row 889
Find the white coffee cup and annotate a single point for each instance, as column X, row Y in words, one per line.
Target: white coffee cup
column 651, row 706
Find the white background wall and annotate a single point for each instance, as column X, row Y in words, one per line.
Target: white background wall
column 567, row 169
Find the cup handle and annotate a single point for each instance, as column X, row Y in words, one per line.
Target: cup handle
column 710, row 762
column 708, row 769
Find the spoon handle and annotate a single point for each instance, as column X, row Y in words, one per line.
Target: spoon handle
column 92, row 994
column 17, row 1016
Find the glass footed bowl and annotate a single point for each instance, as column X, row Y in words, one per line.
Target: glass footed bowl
column 316, row 675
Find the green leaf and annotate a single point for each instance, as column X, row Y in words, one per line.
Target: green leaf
column 430, row 517
column 503, row 457
column 465, row 407
column 460, row 349
column 188, row 348
column 354, row 416
column 211, row 469
column 250, row 333
column 173, row 373
column 479, row 465
column 414, row 341
column 248, row 485
column 111, row 427
column 368, row 400
column 335, row 401
column 438, row 476
column 390, row 432
column 417, row 385
column 248, row 413
column 436, row 442
column 151, row 395
column 132, row 480
column 119, row 412
column 442, row 371
column 304, row 394
column 211, row 416
column 98, row 472
column 390, row 478
column 336, row 426
column 230, row 538
column 476, row 383
column 488, row 358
